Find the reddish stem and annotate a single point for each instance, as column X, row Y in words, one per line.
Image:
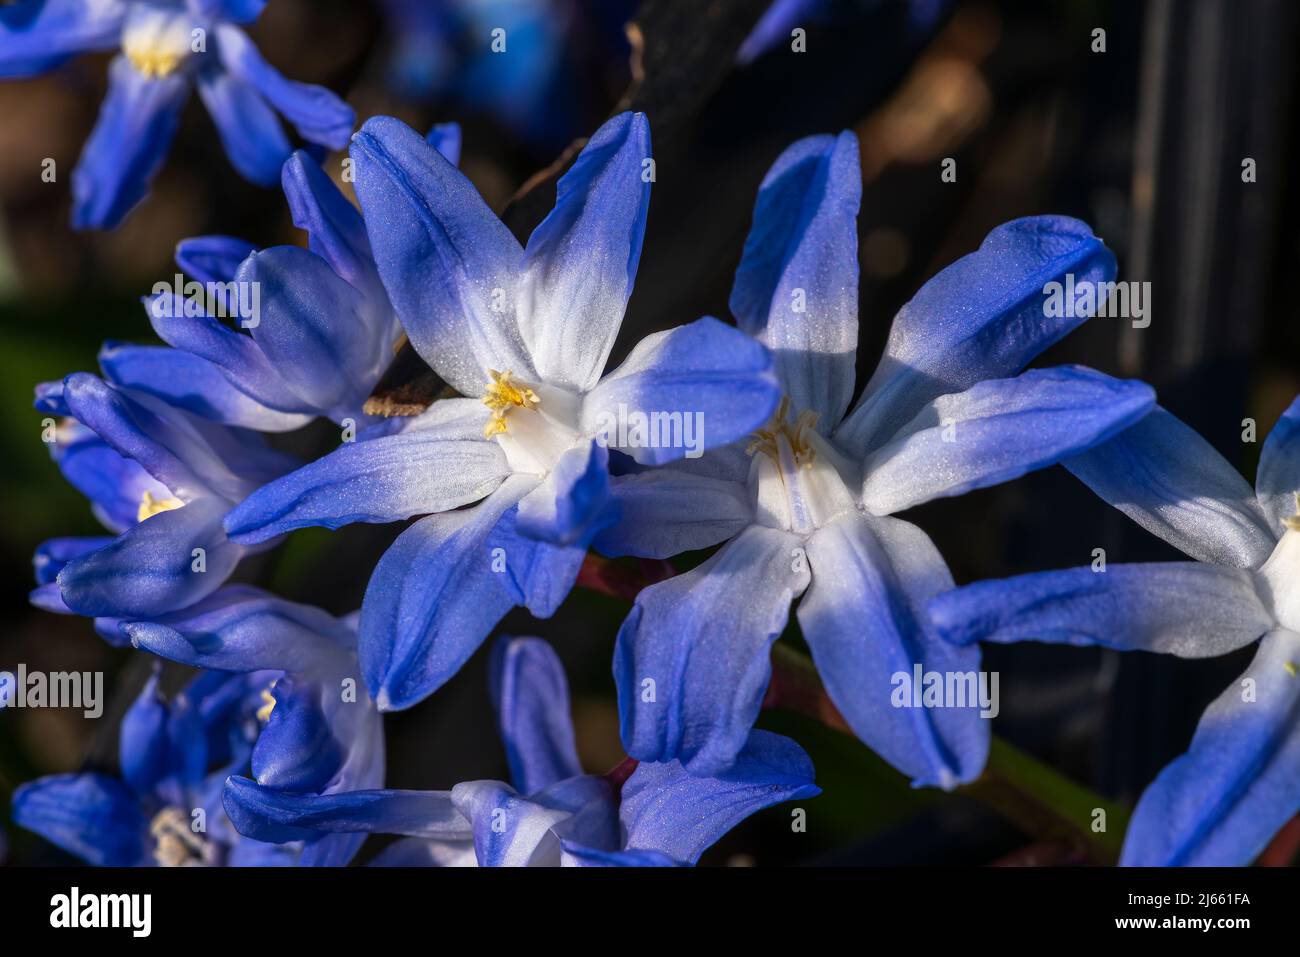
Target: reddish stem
column 620, row 773
column 621, row 579
column 1282, row 850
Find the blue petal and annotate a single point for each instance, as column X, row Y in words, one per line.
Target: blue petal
column 983, row 317
column 863, row 620
column 334, row 227
column 266, row 814
column 692, row 659
column 796, row 288
column 444, row 584
column 240, row 628
column 532, row 701
column 1188, row 609
column 442, row 254
column 128, row 145
column 1278, row 478
column 52, row 554
column 148, row 570
column 212, row 258
column 115, row 485
column 774, row 27
column 191, row 383
column 89, row 815
column 578, row 855
column 379, row 480
column 1169, row 480
column 572, row 502
column 37, row 36
column 1219, row 804
column 240, row 11
column 142, row 740
column 998, row 430
column 315, row 112
column 313, row 327
column 297, row 750
column 48, row 397
column 446, row 139
column 664, row 512
column 249, row 129
column 514, row 831
column 704, row 385
column 668, row 810
column 580, row 262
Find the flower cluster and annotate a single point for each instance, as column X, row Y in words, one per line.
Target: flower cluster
column 746, row 435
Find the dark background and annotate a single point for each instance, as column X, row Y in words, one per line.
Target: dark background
column 1144, row 142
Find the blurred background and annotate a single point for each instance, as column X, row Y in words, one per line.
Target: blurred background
column 1144, row 140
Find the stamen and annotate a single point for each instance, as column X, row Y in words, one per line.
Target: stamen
column 1291, row 668
column 503, row 394
column 1292, row 522
column 152, row 62
column 175, row 842
column 264, row 712
column 795, row 433
column 150, row 506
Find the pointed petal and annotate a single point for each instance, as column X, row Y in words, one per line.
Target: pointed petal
column 334, row 227
column 862, row 619
column 700, row 386
column 249, row 129
column 445, row 258
column 1187, row 609
column 532, row 702
column 191, row 383
column 1219, row 804
column 796, row 288
column 240, row 628
column 1278, row 478
column 128, row 145
column 315, row 112
column 266, row 814
column 212, row 258
column 89, row 815
column 376, row 480
column 983, row 317
column 668, row 810
column 664, row 512
column 1169, row 480
column 580, row 262
column 142, row 740
column 998, row 430
column 692, row 659
column 149, row 570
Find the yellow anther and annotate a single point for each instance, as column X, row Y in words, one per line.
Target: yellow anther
column 1293, row 521
column 1291, row 669
column 152, row 60
column 503, row 394
column 264, row 712
column 767, row 439
column 150, row 506
column 176, row 843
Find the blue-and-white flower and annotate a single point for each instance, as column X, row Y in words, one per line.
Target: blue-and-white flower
column 165, row 809
column 554, row 814
column 166, row 47
column 1239, row 782
column 805, row 508
column 524, row 333
column 161, row 480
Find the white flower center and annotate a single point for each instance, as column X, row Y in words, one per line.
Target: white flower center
column 156, row 40
column 799, row 480
column 533, row 423
column 1281, row 574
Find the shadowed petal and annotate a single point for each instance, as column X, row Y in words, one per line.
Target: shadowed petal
column 37, row 36
column 664, row 512
column 89, row 815
column 249, row 129
column 1188, row 609
column 212, row 258
column 532, row 702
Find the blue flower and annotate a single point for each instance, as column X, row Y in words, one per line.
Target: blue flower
column 805, row 508
column 322, row 335
column 554, row 814
column 323, row 734
column 165, row 808
column 167, row 46
column 525, row 332
column 1239, row 782
column 775, row 26
column 161, row 480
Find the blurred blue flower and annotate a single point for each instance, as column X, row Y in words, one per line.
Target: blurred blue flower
column 526, row 332
column 165, row 809
column 775, row 26
column 554, row 814
column 1239, row 782
column 161, row 480
column 323, row 334
column 167, row 46
column 804, row 508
